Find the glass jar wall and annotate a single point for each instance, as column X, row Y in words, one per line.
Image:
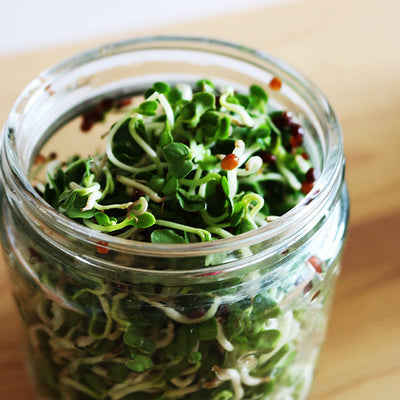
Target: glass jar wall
column 237, row 318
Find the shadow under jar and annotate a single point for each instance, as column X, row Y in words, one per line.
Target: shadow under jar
column 236, row 318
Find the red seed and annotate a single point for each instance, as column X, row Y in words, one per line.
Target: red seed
column 315, row 295
column 86, row 124
column 275, row 83
column 268, row 157
column 305, row 155
column 296, row 135
column 316, row 263
column 123, row 103
column 106, row 104
column 40, row 158
column 306, row 187
column 308, row 287
column 310, row 177
column 230, row 162
column 102, row 248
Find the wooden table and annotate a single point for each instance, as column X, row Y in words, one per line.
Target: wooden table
column 350, row 49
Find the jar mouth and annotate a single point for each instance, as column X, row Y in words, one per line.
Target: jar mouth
column 282, row 231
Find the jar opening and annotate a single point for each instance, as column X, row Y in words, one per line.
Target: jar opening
column 86, row 76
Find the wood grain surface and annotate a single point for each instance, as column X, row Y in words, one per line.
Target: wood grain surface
column 351, row 50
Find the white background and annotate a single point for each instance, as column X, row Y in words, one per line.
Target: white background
column 32, row 24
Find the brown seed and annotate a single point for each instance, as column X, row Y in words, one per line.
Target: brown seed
column 310, row 177
column 308, row 287
column 52, row 156
column 230, row 162
column 40, row 158
column 306, row 187
column 315, row 295
column 296, row 135
column 123, row 103
column 268, row 157
column 283, row 120
column 102, row 248
column 275, row 83
column 316, row 263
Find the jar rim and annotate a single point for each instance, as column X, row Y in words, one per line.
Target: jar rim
column 288, row 225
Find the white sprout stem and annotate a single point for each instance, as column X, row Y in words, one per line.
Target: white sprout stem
column 232, row 375
column 109, row 189
column 249, row 198
column 140, row 206
column 85, row 361
column 238, row 151
column 140, row 141
column 100, row 372
column 191, row 182
column 113, row 131
column 129, row 233
column 245, row 366
column 167, row 109
column 110, row 138
column 167, row 339
column 303, row 164
column 225, row 234
column 144, row 145
column 32, row 333
column 114, row 311
column 122, row 206
column 249, row 380
column 183, row 382
column 223, row 341
column 177, row 316
column 289, row 176
column 107, row 311
column 58, row 316
column 105, row 228
column 91, row 189
column 196, row 181
column 132, row 183
column 92, row 200
column 253, row 165
column 260, row 220
column 219, row 231
column 82, row 388
column 84, row 341
column 232, row 182
column 139, row 387
column 179, row 393
column 129, row 382
column 236, row 108
column 270, row 176
column 202, row 233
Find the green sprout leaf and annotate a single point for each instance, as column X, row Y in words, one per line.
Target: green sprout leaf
column 166, row 236
column 177, row 151
column 148, row 108
column 140, row 363
column 190, row 202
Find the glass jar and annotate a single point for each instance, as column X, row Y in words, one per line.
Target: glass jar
column 110, row 318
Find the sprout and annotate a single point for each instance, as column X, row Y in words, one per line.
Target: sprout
column 160, row 180
column 235, row 108
column 230, row 374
